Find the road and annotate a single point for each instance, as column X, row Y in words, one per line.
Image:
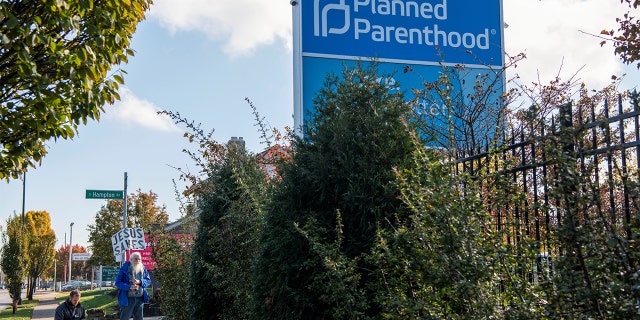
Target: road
column 5, row 301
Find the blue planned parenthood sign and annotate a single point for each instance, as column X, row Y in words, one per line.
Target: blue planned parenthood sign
column 428, row 37
column 406, row 31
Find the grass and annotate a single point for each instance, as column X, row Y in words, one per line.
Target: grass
column 24, row 311
column 90, row 299
column 96, row 299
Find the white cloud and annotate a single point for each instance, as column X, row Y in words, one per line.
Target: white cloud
column 242, row 25
column 135, row 111
column 552, row 33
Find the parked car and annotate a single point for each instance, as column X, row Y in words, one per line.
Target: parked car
column 107, row 283
column 46, row 285
column 76, row 285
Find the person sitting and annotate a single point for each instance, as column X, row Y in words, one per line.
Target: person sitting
column 71, row 309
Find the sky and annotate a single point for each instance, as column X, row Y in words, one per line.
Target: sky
column 202, row 58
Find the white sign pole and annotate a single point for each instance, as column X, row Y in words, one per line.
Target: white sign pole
column 297, row 68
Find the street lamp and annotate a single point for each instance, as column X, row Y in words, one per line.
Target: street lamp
column 70, row 248
column 55, row 266
column 64, row 266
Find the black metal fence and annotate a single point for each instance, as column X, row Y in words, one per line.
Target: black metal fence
column 581, row 162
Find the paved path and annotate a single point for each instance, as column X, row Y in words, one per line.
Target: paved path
column 46, row 308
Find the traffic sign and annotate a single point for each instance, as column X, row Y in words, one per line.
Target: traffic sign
column 105, row 194
column 109, row 273
column 80, row 256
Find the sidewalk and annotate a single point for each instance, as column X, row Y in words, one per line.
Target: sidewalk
column 46, row 308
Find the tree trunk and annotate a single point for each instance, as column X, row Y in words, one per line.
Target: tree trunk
column 14, row 305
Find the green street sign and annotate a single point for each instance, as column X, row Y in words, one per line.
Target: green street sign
column 109, row 273
column 105, row 194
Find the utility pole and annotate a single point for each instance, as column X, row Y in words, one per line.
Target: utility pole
column 64, row 271
column 24, row 188
column 55, row 264
column 70, row 247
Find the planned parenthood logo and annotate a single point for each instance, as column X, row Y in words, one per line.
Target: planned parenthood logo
column 461, row 31
column 321, row 21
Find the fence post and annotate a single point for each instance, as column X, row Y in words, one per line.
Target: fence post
column 566, row 165
column 635, row 101
column 570, row 238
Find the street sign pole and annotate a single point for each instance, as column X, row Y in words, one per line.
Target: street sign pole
column 116, row 195
column 124, row 215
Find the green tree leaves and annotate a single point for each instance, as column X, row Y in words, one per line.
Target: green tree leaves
column 28, row 250
column 627, row 38
column 173, row 256
column 229, row 227
column 55, row 60
column 13, row 259
column 337, row 192
column 107, row 222
column 439, row 263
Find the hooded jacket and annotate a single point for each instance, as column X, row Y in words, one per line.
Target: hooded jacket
column 67, row 311
column 123, row 284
